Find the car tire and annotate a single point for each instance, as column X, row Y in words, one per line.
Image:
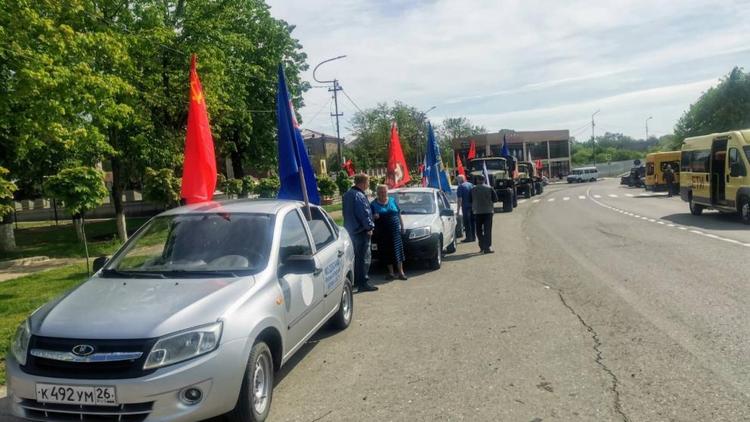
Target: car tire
column 515, row 198
column 695, row 209
column 254, row 403
column 527, row 193
column 744, row 209
column 343, row 317
column 508, row 201
column 437, row 260
column 540, row 189
column 452, row 247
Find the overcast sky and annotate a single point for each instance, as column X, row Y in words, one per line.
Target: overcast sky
column 523, row 65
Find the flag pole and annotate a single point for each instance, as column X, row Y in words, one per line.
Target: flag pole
column 302, row 183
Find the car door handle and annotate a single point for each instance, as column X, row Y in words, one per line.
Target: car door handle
column 340, row 254
column 317, row 271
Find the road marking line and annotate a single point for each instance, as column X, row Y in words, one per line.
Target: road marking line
column 581, row 197
column 671, row 225
column 629, row 195
column 644, row 218
column 567, row 198
column 521, row 201
column 597, row 196
column 536, row 200
column 651, row 220
column 551, row 200
column 612, row 195
column 660, row 222
column 636, row 215
column 682, row 228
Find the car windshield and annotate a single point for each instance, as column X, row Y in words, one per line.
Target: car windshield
column 497, row 164
column 197, row 245
column 415, row 202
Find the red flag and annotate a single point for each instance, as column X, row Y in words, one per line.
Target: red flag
column 199, row 168
column 472, row 151
column 397, row 174
column 349, row 167
column 460, row 166
column 538, row 164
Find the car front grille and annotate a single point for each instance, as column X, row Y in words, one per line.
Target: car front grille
column 119, row 369
column 133, row 412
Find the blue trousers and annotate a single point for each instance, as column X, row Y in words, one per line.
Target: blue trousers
column 362, row 256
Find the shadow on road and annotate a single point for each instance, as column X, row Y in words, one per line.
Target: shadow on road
column 709, row 221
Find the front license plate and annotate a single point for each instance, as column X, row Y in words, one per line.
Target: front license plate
column 374, row 246
column 76, row 394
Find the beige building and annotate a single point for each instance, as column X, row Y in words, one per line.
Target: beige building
column 552, row 147
column 320, row 147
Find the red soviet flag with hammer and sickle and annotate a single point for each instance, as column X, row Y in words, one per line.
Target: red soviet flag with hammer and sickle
column 199, row 168
column 397, row 174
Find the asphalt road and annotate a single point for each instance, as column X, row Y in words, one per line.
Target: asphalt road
column 607, row 305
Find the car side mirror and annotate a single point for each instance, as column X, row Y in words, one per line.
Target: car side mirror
column 99, row 263
column 298, row 264
column 447, row 212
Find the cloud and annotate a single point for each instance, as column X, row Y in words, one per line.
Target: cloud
column 534, row 63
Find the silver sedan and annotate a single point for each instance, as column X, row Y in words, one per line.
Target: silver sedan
column 189, row 319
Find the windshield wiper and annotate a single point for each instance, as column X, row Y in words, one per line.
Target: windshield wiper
column 131, row 274
column 201, row 273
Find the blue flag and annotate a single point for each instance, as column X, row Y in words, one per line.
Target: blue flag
column 436, row 176
column 292, row 152
column 505, row 152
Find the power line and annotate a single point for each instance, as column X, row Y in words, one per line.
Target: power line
column 351, row 101
column 319, row 110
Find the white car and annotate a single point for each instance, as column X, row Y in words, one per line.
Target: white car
column 583, row 174
column 189, row 320
column 430, row 224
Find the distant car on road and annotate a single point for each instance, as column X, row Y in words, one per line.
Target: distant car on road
column 635, row 177
column 430, row 224
column 188, row 320
column 583, row 174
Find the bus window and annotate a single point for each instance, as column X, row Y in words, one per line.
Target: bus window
column 700, row 161
column 736, row 166
column 650, row 169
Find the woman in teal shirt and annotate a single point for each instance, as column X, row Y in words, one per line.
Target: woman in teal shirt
column 388, row 230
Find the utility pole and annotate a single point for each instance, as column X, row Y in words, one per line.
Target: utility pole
column 336, row 88
column 649, row 118
column 593, row 139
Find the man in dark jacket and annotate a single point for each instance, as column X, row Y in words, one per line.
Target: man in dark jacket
column 669, row 179
column 463, row 195
column 359, row 224
column 483, row 199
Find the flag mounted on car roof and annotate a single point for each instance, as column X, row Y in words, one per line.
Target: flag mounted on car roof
column 295, row 171
column 199, row 166
column 436, row 176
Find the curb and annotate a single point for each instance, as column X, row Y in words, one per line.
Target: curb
column 22, row 262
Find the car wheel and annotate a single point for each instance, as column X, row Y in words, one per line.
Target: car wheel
column 508, row 201
column 540, row 190
column 452, row 247
column 695, row 209
column 343, row 317
column 437, row 259
column 254, row 402
column 745, row 209
column 515, row 199
column 527, row 193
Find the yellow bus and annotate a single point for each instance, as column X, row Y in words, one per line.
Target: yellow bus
column 656, row 162
column 714, row 173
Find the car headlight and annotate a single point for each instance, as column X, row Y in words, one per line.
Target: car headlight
column 20, row 346
column 420, row 232
column 184, row 345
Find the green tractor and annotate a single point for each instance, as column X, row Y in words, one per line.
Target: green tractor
column 500, row 179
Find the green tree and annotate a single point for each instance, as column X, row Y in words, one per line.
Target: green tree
column 80, row 189
column 723, row 107
column 7, row 239
column 454, row 128
column 161, row 186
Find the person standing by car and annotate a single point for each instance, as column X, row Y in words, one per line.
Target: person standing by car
column 388, row 229
column 669, row 180
column 358, row 222
column 463, row 195
column 483, row 199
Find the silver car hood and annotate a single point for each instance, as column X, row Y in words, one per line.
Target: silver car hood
column 412, row 221
column 111, row 308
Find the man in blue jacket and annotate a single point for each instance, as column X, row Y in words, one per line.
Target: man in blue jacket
column 359, row 223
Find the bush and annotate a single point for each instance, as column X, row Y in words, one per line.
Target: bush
column 80, row 188
column 249, row 185
column 161, row 186
column 268, row 187
column 326, row 187
column 231, row 187
column 343, row 182
column 375, row 181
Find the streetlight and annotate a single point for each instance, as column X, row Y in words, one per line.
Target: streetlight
column 649, row 118
column 336, row 88
column 593, row 139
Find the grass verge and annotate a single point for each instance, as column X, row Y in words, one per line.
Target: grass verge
column 21, row 296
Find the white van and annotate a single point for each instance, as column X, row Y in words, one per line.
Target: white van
column 583, row 174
